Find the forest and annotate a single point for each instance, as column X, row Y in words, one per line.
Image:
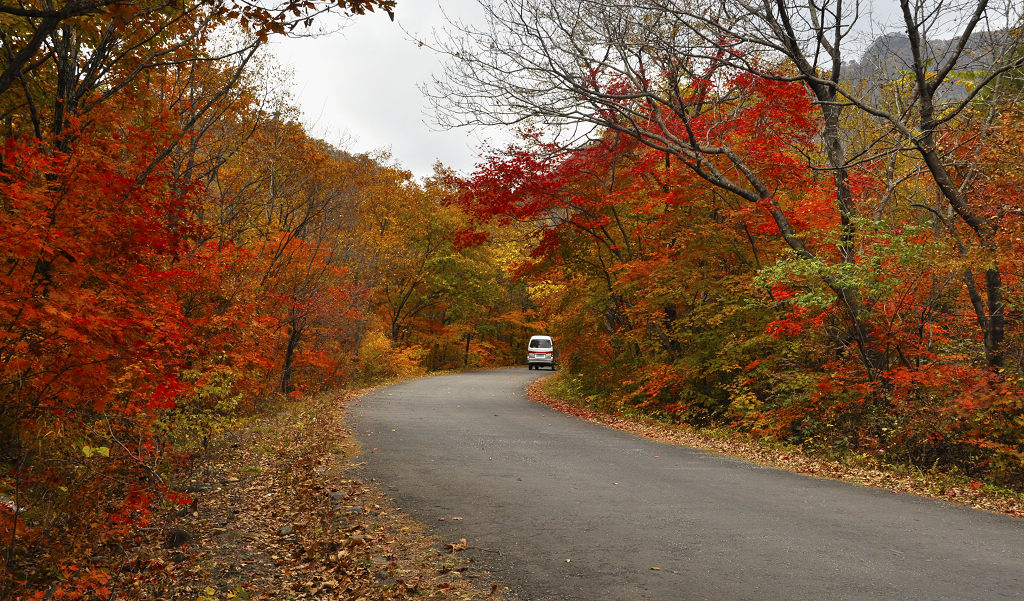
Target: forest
column 727, row 214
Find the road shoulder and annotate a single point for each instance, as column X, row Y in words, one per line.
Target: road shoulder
column 278, row 514
column 952, row 489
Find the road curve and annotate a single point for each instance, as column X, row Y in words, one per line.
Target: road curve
column 577, row 511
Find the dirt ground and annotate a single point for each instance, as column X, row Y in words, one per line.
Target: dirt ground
column 276, row 516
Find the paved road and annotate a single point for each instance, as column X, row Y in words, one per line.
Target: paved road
column 543, row 488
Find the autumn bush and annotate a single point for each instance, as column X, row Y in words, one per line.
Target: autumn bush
column 93, row 338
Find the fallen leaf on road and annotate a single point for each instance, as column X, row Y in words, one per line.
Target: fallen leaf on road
column 459, row 546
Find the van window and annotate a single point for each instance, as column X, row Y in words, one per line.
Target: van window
column 540, row 343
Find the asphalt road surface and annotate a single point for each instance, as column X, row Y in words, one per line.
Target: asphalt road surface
column 571, row 510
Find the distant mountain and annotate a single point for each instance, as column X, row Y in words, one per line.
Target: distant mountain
column 889, row 58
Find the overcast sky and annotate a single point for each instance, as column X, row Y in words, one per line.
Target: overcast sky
column 358, row 86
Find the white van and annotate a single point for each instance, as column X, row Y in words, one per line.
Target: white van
column 540, row 352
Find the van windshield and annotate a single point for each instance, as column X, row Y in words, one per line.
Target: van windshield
column 540, row 343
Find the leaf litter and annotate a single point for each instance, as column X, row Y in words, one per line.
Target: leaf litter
column 276, row 514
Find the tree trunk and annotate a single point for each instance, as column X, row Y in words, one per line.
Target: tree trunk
column 996, row 320
column 294, row 335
